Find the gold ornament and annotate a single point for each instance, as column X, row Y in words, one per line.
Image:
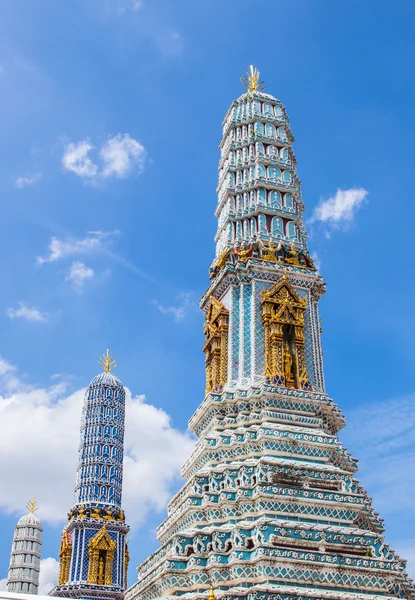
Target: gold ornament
column 126, row 561
column 292, row 257
column 107, row 362
column 269, row 253
column 211, row 595
column 65, row 553
column 243, row 252
column 283, row 317
column 32, row 505
column 216, row 346
column 101, row 556
column 250, row 80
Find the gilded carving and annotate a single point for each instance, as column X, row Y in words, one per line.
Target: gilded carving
column 101, row 558
column 126, row 561
column 216, row 346
column 283, row 317
column 65, row 554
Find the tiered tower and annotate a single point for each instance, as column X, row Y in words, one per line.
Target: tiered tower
column 271, row 508
column 24, row 566
column 94, row 553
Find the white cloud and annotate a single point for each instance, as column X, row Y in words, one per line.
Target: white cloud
column 121, row 155
column 75, row 158
column 180, row 310
column 43, row 424
column 79, row 273
column 59, row 249
column 48, row 576
column 30, row 313
column 28, row 179
column 340, row 208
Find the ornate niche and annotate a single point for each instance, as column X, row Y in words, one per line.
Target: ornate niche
column 283, row 317
column 65, row 554
column 101, row 558
column 216, row 346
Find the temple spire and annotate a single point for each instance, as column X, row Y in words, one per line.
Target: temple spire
column 26, row 550
column 93, row 553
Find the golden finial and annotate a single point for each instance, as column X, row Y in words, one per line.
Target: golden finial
column 211, row 593
column 32, row 505
column 107, row 362
column 250, row 79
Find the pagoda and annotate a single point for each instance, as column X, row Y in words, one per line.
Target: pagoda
column 24, row 569
column 94, row 553
column 271, row 508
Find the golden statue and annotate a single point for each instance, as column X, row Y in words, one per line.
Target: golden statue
column 95, row 513
column 292, row 257
column 250, row 80
column 107, row 362
column 243, row 253
column 288, row 366
column 269, row 252
column 101, row 570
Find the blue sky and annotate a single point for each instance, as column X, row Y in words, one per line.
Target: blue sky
column 110, row 118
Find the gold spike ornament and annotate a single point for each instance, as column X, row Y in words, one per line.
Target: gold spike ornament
column 107, row 362
column 250, row 80
column 32, row 505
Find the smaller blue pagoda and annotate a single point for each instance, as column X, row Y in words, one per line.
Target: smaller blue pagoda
column 94, row 553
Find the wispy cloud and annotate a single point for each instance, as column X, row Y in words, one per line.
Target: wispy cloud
column 119, row 157
column 180, row 310
column 340, row 209
column 79, row 273
column 29, row 313
column 91, row 243
column 170, row 43
column 317, row 260
column 76, row 160
column 28, row 179
column 383, row 434
column 122, row 6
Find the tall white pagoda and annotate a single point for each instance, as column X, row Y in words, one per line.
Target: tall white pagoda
column 25, row 555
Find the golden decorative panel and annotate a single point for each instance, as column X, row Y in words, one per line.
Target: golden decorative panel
column 101, row 558
column 126, row 561
column 283, row 317
column 216, row 346
column 65, row 554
